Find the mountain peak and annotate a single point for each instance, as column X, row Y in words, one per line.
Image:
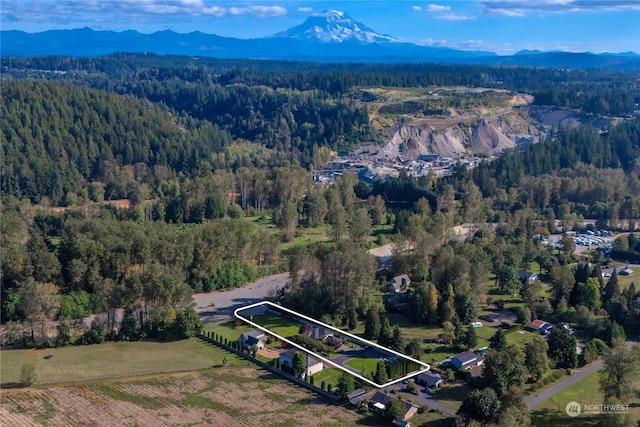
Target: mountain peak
column 333, row 12
column 334, row 26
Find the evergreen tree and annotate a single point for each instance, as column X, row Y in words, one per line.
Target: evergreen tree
column 372, row 325
column 611, row 289
column 562, row 348
column 630, row 293
column 386, row 334
column 616, row 334
column 498, row 341
column 353, row 319
column 397, row 342
column 581, row 273
column 466, row 308
column 381, row 376
column 471, row 338
column 597, row 273
column 447, row 306
column 299, row 363
column 346, row 385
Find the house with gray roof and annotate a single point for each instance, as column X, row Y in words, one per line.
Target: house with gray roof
column 467, row 360
column 429, row 379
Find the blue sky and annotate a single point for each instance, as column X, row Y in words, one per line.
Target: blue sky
column 502, row 26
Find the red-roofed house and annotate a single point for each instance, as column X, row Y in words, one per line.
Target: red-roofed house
column 537, row 325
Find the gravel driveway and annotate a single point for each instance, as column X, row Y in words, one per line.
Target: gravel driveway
column 225, row 302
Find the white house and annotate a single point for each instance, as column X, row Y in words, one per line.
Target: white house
column 250, row 338
column 314, row 365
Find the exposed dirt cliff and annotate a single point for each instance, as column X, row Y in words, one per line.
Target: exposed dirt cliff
column 453, row 137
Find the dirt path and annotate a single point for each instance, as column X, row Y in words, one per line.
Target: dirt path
column 225, row 302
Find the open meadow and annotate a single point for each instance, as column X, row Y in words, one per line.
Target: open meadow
column 111, row 360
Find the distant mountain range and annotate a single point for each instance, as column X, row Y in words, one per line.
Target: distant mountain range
column 332, row 36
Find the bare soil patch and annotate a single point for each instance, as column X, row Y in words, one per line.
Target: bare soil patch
column 271, row 353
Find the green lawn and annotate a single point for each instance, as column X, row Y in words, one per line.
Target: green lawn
column 231, row 331
column 112, row 360
column 625, row 281
column 533, row 267
column 438, row 352
column 452, row 395
column 366, row 365
column 227, row 329
column 551, row 412
column 328, row 375
column 278, row 324
column 521, row 337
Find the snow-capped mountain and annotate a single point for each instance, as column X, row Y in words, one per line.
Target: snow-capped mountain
column 334, row 26
column 331, row 36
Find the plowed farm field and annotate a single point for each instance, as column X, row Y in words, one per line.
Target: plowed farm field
column 238, row 396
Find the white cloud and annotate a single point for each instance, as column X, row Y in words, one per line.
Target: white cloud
column 133, row 8
column 261, row 11
column 437, row 8
column 416, row 8
column 305, row 9
column 517, row 8
column 455, row 17
column 432, row 42
column 444, row 13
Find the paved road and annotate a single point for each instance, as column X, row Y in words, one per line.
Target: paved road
column 225, row 302
column 577, row 376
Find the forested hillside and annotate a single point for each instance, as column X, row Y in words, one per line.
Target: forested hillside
column 215, row 159
column 57, row 139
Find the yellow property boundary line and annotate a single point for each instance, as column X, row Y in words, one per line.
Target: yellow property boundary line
column 275, row 307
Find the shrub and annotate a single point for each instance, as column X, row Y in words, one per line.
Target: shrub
column 413, row 388
column 187, row 324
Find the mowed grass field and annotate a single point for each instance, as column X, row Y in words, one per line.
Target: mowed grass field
column 278, row 324
column 551, row 412
column 112, row 360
